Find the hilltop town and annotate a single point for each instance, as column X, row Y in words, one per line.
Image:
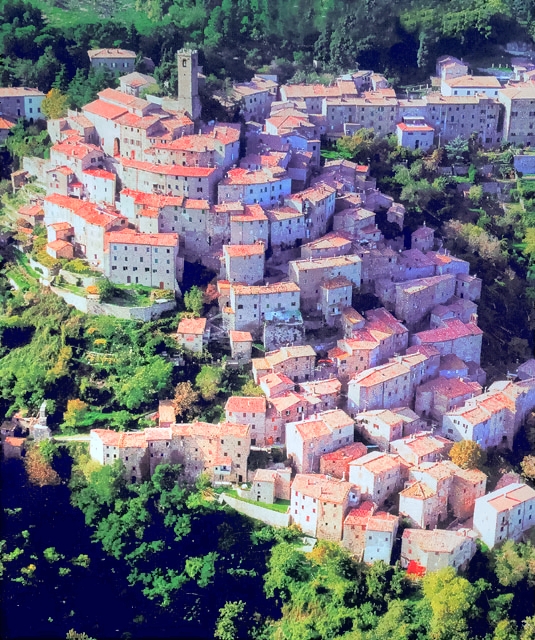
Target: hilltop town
column 139, row 186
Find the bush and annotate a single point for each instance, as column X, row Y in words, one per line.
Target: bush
column 76, row 266
column 106, row 289
column 161, row 294
column 47, row 261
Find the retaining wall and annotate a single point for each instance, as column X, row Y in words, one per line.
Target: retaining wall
column 96, row 308
column 273, row 518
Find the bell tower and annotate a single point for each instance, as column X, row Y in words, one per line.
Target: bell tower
column 188, row 83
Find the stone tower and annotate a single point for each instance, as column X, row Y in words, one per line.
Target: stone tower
column 188, row 83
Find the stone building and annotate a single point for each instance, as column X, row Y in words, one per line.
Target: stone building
column 287, row 227
column 267, row 186
column 319, row 505
column 188, row 83
column 423, row 238
column 309, row 439
column 317, row 204
column 488, row 419
column 370, row 534
column 436, row 397
column 193, row 334
column 467, row 486
column 297, row 363
column 505, row 514
column 412, row 300
column 382, row 426
column 335, row 295
column 249, row 307
column 378, row 475
column 256, row 97
column 336, row 463
column 434, row 550
column 134, row 83
column 453, row 337
column 422, row 506
column 250, row 411
column 249, row 227
column 421, row 447
column 148, row 259
column 519, row 102
column 330, row 245
column 21, row 102
column 244, row 263
column 118, row 61
column 241, row 346
column 309, row 275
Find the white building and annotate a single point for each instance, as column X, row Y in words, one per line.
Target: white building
column 143, row 258
column 505, row 514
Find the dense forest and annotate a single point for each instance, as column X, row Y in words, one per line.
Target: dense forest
column 152, row 570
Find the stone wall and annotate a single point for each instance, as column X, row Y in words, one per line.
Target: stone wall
column 95, row 308
column 273, row 518
column 73, row 278
column 36, row 167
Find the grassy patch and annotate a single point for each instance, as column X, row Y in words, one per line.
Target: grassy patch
column 132, row 296
column 280, row 505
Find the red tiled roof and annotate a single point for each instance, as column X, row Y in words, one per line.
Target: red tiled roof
column 104, row 109
column 145, row 239
column 243, row 250
column 240, row 336
column 99, row 173
column 111, row 53
column 153, row 199
column 196, row 326
column 246, row 404
column 86, row 210
column 410, row 127
column 169, row 170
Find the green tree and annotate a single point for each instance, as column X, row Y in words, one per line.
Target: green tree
column 208, row 381
column 228, row 623
column 193, row 299
column 251, row 389
column 457, row 149
column 452, row 600
column 514, row 562
column 106, row 289
column 76, row 412
column 145, row 384
column 55, row 105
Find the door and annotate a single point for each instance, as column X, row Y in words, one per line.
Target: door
column 128, row 279
column 161, row 285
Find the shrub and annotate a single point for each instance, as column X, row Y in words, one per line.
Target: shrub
column 76, row 266
column 161, row 294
